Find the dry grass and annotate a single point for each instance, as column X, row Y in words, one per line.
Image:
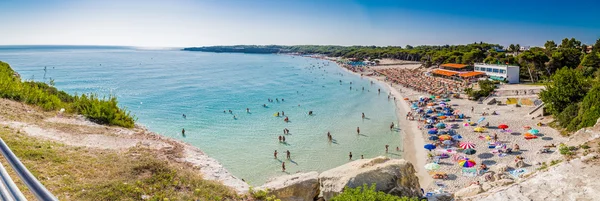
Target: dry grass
column 75, row 173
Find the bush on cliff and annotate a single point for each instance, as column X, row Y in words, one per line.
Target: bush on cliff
column 103, row 111
column 366, row 193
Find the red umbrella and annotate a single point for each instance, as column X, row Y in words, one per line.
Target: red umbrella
column 503, row 126
column 466, row 145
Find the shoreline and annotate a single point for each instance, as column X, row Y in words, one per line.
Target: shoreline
column 409, row 131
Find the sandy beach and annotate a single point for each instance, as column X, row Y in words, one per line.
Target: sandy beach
column 517, row 118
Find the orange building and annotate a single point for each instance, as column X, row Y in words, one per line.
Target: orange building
column 457, row 71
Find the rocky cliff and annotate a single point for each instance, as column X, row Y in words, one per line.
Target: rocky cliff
column 393, row 176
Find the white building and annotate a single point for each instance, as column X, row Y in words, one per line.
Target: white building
column 499, row 72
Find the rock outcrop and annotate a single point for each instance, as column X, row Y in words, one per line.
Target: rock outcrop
column 296, row 187
column 393, row 176
column 572, row 180
column 468, row 191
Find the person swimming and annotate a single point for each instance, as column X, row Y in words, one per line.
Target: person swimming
column 275, row 154
column 392, row 126
column 280, row 140
column 247, row 110
column 282, row 113
column 288, row 154
column 183, row 131
column 350, row 155
column 363, row 115
column 264, row 105
column 184, row 116
column 283, row 167
column 386, row 148
column 286, row 119
column 230, row 112
column 358, row 130
column 310, row 112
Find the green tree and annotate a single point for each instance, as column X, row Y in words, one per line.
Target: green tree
column 511, row 48
column 366, row 193
column 550, row 46
column 590, row 63
column 596, row 47
column 589, row 110
column 567, row 87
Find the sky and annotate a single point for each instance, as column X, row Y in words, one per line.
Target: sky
column 184, row 23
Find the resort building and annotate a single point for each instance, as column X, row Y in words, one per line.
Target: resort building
column 506, row 73
column 458, row 71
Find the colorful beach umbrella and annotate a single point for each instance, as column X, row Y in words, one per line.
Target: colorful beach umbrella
column 503, row 126
column 405, row 98
column 430, row 104
column 428, row 126
column 469, row 151
column 445, row 137
column 432, row 131
column 440, row 125
column 466, row 163
column 443, row 132
column 432, row 166
column 447, row 142
column 479, row 129
column 442, row 117
column 457, row 137
column 433, row 138
column 429, row 146
column 534, row 131
column 432, row 97
column 529, row 136
column 466, row 145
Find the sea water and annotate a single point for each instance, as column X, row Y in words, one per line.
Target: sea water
column 159, row 86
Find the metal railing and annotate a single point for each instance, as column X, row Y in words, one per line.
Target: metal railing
column 9, row 190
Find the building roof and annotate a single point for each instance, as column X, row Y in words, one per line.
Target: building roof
column 444, row 72
column 454, row 65
column 471, row 74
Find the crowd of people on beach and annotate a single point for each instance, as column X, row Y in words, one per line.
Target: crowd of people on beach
column 419, row 81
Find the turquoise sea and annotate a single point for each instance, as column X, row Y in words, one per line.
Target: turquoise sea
column 158, row 86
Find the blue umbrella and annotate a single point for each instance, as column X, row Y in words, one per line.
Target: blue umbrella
column 433, row 137
column 452, row 132
column 440, row 125
column 428, row 126
column 457, row 137
column 429, row 111
column 432, row 131
column 461, row 116
column 429, row 147
column 443, row 132
column 449, row 113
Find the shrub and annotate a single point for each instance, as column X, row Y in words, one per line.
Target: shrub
column 103, row 111
column 366, row 193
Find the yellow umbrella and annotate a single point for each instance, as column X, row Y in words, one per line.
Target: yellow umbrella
column 445, row 137
column 479, row 129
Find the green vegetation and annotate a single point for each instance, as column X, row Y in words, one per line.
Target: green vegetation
column 75, row 173
column 366, row 193
column 262, row 195
column 486, row 87
column 47, row 97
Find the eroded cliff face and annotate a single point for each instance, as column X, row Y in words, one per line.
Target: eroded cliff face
column 393, row 176
column 575, row 179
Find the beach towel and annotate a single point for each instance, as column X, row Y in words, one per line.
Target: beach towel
column 469, row 172
column 517, row 173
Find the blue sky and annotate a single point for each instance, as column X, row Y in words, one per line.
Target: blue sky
column 180, row 23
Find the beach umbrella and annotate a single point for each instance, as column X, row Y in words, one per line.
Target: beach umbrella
column 442, row 117
column 466, row 163
column 457, row 137
column 429, row 111
column 432, row 131
column 448, row 142
column 429, row 146
column 447, row 100
column 433, row 138
column 437, row 97
column 534, row 131
column 479, row 129
column 432, row 97
column 449, row 113
column 443, row 132
column 440, row 125
column 428, row 126
column 432, row 166
column 503, row 126
column 445, row 137
column 405, row 98
column 529, row 136
column 527, row 127
column 466, row 145
column 429, row 104
column 470, row 151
